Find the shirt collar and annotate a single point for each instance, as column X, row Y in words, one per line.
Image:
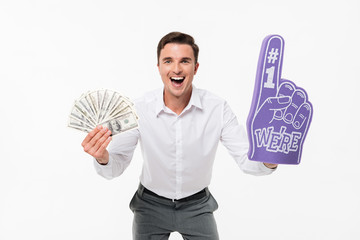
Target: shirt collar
column 195, row 100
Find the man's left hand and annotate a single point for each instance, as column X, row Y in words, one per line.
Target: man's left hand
column 271, row 165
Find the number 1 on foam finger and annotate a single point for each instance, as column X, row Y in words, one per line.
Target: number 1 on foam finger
column 270, row 78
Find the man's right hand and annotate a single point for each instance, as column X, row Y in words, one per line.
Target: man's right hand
column 95, row 144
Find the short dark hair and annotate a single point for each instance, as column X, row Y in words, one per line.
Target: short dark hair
column 181, row 38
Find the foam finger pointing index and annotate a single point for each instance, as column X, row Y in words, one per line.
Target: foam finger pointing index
column 269, row 67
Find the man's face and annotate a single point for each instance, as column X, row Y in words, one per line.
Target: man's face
column 177, row 68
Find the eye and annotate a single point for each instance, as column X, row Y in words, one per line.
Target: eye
column 167, row 61
column 185, row 61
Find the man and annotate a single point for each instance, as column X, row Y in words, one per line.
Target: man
column 179, row 130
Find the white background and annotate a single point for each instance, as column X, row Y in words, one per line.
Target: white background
column 53, row 51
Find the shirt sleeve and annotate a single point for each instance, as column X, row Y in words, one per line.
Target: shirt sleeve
column 234, row 138
column 121, row 151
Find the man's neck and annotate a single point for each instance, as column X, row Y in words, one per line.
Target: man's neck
column 177, row 104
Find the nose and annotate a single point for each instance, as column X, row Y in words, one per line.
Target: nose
column 177, row 68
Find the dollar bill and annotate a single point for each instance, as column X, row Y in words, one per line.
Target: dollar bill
column 122, row 123
column 82, row 114
column 75, row 123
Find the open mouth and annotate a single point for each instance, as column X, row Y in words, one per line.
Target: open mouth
column 177, row 80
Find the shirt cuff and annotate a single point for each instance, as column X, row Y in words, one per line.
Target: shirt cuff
column 104, row 170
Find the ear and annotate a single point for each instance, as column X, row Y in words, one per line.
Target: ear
column 196, row 68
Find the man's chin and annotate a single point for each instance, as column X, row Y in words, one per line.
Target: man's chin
column 178, row 92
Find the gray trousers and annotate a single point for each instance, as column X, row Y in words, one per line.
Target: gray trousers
column 155, row 218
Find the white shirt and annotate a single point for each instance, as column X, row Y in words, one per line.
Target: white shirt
column 179, row 150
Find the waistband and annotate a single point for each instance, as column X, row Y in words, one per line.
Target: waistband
column 196, row 196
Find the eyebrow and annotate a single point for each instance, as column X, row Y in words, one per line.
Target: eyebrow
column 166, row 58
column 170, row 58
column 186, row 58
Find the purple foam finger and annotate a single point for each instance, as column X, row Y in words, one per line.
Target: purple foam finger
column 280, row 114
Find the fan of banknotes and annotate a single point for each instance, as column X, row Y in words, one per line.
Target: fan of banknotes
column 103, row 107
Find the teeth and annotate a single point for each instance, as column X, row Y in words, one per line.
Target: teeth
column 177, row 78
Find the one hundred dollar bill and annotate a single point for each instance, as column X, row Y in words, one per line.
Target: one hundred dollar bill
column 122, row 123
